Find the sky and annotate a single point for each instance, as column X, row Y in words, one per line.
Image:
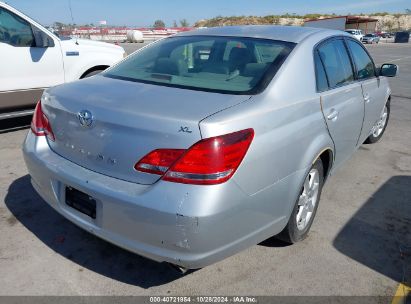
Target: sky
column 144, row 13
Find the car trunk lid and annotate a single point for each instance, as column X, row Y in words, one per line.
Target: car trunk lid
column 129, row 120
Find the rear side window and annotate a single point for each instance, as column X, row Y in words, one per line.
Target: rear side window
column 363, row 62
column 337, row 63
column 15, row 30
column 320, row 76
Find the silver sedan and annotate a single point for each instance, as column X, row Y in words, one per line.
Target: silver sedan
column 371, row 38
column 208, row 142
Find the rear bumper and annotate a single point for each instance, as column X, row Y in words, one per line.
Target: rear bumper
column 191, row 226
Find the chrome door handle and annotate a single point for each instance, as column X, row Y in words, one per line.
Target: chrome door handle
column 333, row 115
column 367, row 98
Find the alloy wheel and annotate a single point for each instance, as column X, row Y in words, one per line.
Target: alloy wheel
column 308, row 199
column 380, row 125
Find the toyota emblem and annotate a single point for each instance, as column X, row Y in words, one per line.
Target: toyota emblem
column 86, row 118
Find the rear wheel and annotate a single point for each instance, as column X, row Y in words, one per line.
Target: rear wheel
column 378, row 129
column 306, row 206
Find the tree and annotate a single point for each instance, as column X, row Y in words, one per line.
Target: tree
column 271, row 19
column 184, row 23
column 408, row 11
column 58, row 25
column 389, row 25
column 159, row 24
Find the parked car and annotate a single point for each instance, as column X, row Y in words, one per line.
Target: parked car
column 355, row 33
column 371, row 39
column 402, row 37
column 189, row 158
column 386, row 35
column 34, row 58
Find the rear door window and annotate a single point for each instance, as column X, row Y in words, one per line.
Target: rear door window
column 320, row 76
column 363, row 62
column 337, row 63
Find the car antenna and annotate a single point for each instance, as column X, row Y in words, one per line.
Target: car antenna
column 72, row 18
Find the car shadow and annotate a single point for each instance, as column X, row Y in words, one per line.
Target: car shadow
column 379, row 234
column 79, row 246
column 13, row 124
column 273, row 242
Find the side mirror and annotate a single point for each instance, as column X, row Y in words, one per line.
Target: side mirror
column 389, row 70
column 42, row 39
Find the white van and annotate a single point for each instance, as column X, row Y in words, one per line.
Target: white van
column 33, row 58
column 358, row 34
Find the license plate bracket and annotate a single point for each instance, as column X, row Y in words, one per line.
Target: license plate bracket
column 81, row 202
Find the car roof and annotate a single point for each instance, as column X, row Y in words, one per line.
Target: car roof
column 274, row 32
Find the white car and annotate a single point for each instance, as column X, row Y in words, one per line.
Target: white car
column 358, row 34
column 33, row 58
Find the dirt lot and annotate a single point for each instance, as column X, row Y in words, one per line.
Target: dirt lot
column 363, row 223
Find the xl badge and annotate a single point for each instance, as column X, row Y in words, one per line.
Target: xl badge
column 185, row 130
column 86, row 118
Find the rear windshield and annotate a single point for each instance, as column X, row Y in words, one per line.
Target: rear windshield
column 231, row 65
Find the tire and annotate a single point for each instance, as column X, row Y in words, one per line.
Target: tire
column 295, row 230
column 92, row 73
column 378, row 129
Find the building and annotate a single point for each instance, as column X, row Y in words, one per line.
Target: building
column 367, row 25
column 120, row 33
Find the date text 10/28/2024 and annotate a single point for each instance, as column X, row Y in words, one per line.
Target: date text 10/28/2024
column 203, row 299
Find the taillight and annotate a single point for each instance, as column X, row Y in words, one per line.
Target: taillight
column 40, row 125
column 208, row 162
column 158, row 161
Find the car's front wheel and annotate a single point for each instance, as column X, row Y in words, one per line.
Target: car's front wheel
column 378, row 129
column 306, row 206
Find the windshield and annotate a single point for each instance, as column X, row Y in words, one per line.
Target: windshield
column 232, row 65
column 369, row 35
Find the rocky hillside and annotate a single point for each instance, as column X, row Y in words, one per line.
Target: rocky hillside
column 391, row 23
column 386, row 22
